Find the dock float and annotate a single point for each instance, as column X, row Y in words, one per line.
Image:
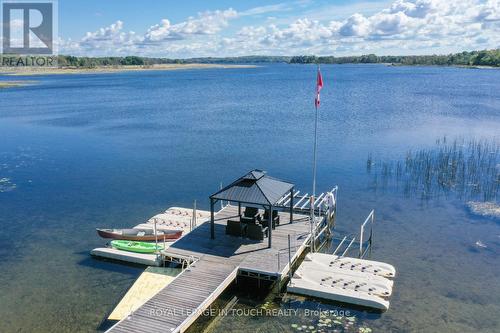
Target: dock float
column 130, row 257
column 149, row 283
column 353, row 264
column 344, row 279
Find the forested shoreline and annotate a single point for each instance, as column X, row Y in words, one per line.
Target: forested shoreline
column 473, row 58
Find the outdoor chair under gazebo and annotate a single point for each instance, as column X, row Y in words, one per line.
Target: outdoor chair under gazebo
column 253, row 191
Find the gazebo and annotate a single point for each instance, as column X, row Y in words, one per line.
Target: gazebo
column 255, row 188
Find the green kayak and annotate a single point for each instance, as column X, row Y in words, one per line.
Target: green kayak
column 139, row 247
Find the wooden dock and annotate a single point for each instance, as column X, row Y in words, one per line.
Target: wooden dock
column 217, row 262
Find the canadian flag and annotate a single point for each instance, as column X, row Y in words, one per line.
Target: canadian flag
column 319, row 85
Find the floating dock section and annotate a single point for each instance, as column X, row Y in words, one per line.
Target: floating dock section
column 350, row 280
column 149, row 283
column 130, row 257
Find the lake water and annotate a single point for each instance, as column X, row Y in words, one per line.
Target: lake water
column 84, row 151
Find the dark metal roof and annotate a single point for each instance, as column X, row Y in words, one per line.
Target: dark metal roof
column 256, row 187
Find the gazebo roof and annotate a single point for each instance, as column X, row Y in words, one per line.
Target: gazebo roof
column 256, row 187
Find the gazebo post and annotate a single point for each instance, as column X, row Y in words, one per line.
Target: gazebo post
column 239, row 208
column 291, row 205
column 212, row 222
column 270, row 225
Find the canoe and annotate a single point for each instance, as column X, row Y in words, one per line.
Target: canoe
column 139, row 247
column 139, row 234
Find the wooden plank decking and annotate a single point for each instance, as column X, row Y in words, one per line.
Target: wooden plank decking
column 219, row 260
column 175, row 307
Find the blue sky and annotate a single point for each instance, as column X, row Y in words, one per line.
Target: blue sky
column 182, row 29
column 78, row 17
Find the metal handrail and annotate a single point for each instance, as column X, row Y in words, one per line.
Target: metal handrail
column 371, row 219
column 340, row 244
column 348, row 247
column 283, row 199
column 296, row 193
column 287, row 249
column 305, row 196
column 322, row 231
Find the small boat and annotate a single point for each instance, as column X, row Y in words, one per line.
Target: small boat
column 139, row 234
column 139, row 247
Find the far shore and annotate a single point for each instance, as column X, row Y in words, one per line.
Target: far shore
column 25, row 71
column 29, row 71
column 429, row 65
column 13, row 84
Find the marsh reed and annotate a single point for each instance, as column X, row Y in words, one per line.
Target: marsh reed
column 469, row 169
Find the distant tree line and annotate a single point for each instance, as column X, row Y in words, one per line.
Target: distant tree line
column 71, row 61
column 474, row 58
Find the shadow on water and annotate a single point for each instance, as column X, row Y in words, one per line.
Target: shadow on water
column 467, row 169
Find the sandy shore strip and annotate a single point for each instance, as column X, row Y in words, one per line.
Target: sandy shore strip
column 110, row 69
column 13, row 84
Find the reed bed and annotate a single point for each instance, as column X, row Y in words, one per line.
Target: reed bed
column 469, row 169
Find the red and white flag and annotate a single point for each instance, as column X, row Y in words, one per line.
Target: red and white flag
column 319, row 85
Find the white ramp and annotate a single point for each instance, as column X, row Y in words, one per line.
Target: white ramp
column 338, row 278
column 353, row 264
column 349, row 280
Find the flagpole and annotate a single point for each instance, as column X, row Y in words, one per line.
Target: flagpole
column 315, row 148
column 313, row 223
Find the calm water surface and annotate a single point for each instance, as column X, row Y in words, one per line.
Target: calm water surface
column 85, row 151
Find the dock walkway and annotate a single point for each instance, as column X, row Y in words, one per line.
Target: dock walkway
column 175, row 307
column 217, row 263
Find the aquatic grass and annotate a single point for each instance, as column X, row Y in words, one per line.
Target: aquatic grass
column 6, row 185
column 15, row 163
column 486, row 209
column 469, row 169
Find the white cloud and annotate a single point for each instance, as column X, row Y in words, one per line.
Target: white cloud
column 207, row 23
column 404, row 25
column 489, row 12
column 417, row 9
column 265, row 9
column 108, row 38
column 356, row 25
column 162, row 31
column 413, row 25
